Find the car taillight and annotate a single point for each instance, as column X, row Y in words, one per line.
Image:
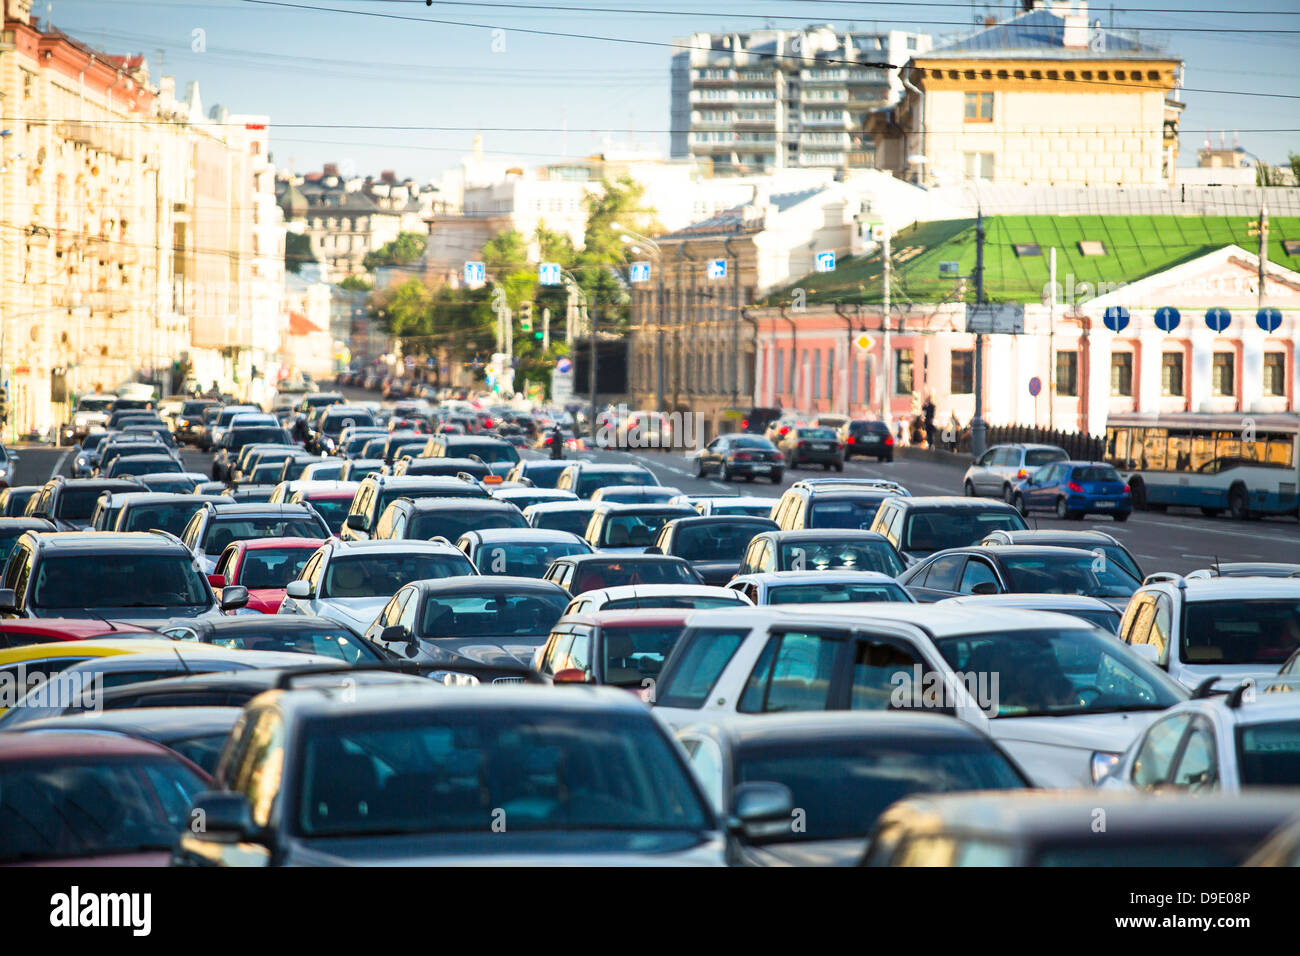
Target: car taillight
column 850, row 440
column 1126, row 491
column 742, row 456
column 744, row 423
column 1075, row 487
column 1022, row 474
column 803, row 444
column 889, row 439
column 783, row 431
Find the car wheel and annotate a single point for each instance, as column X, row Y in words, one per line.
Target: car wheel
column 699, row 467
column 839, row 466
column 1007, row 493
column 1138, row 492
column 969, row 489
column 1061, row 510
column 1018, row 502
column 776, row 477
column 1238, row 504
column 1121, row 515
column 726, row 473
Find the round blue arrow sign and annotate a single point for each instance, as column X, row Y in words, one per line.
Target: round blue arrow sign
column 1268, row 319
column 1167, row 319
column 1115, row 318
column 1218, row 319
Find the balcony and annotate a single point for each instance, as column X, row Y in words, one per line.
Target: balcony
column 832, row 121
column 823, row 76
column 705, row 97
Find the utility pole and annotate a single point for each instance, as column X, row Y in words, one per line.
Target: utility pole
column 591, row 373
column 546, row 330
column 1051, row 340
column 659, row 328
column 886, row 356
column 1263, row 242
column 977, row 421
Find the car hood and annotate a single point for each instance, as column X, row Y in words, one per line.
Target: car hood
column 357, row 613
column 140, row 616
column 808, row 853
column 505, row 652
column 265, row 600
column 148, row 858
column 636, row 550
column 1189, row 675
column 1057, row 751
column 507, row 848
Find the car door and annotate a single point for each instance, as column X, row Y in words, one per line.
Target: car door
column 1039, row 487
column 798, row 670
column 979, row 571
column 980, row 474
column 939, row 579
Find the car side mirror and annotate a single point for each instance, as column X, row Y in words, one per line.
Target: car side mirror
column 653, row 549
column 300, row 590
column 234, row 597
column 761, row 810
column 218, row 581
column 985, row 587
column 223, row 817
column 8, row 600
column 357, row 522
column 395, row 634
column 1148, row 652
column 571, row 675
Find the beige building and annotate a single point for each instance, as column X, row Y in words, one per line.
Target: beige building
column 1047, row 97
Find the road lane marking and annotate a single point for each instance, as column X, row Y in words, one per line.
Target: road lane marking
column 58, row 465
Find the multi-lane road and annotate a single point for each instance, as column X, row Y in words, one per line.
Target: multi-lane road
column 1173, row 541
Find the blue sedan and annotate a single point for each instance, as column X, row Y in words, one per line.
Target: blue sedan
column 1073, row 489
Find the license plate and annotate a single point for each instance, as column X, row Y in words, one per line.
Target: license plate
column 1105, row 504
column 821, row 447
column 762, row 467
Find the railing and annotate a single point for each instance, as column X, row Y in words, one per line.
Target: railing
column 1080, row 446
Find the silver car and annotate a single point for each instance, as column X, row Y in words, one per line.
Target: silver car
column 995, row 473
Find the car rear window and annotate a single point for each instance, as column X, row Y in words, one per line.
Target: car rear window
column 1096, row 473
column 704, row 653
column 1044, row 456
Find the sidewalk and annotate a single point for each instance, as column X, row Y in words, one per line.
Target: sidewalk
column 937, row 456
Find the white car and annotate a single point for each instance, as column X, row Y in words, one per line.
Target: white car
column 819, row 587
column 754, row 506
column 351, row 582
column 1228, row 628
column 1061, row 697
column 1249, row 737
column 629, row 597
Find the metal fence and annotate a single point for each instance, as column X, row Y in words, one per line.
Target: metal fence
column 1080, row 446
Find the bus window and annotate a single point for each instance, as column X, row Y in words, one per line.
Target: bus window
column 1227, row 445
column 1202, row 451
column 1279, row 450
column 1153, row 450
column 1180, row 452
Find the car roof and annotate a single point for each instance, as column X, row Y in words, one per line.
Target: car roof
column 487, row 582
column 19, row 747
column 776, row 728
column 400, row 545
column 101, row 541
column 73, row 628
column 538, row 535
column 637, row 507
column 621, row 558
column 470, row 503
column 131, row 498
column 259, row 508
column 834, row 534
column 650, row 617
column 954, row 501
column 610, row 467
column 547, row 507
column 1274, row 699
column 1245, row 588
column 1012, row 550
column 265, row 544
column 817, row 577
column 1078, row 602
column 695, row 518
column 1029, row 536
column 622, row 591
column 161, row 722
column 353, row 700
column 938, row 621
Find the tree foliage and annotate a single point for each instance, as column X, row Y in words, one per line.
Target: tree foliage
column 407, row 248
column 297, row 251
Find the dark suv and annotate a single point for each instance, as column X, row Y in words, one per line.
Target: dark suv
column 833, row 503
column 427, row 518
column 377, row 492
column 70, row 502
column 216, row 525
column 232, row 443
column 867, row 438
column 918, row 527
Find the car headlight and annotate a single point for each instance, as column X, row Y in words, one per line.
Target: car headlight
column 1102, row 763
column 453, row 678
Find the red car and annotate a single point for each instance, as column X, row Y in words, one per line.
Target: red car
column 20, row 632
column 614, row 648
column 92, row 799
column 265, row 566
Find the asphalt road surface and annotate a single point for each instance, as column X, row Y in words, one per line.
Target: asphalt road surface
column 1176, row 540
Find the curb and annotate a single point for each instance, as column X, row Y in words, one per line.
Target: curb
column 934, row 455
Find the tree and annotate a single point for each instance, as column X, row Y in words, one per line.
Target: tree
column 504, row 253
column 297, row 251
column 1294, row 160
column 356, row 284
column 408, row 247
column 601, row 263
column 406, row 309
column 554, row 246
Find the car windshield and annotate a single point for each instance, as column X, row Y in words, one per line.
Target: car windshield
column 589, row 480
column 573, row 520
column 490, row 451
column 166, row 516
column 333, row 510
column 845, row 784
column 537, row 768
column 752, row 511
column 715, row 542
column 245, row 436
column 224, row 529
column 856, row 513
column 374, row 447
column 672, row 600
column 752, row 441
column 1077, row 573
column 336, row 642
column 452, row 524
column 272, row 567
column 835, row 592
column 491, row 614
column 594, row 576
column 835, row 555
column 543, row 476
column 92, row 806
column 78, row 504
column 1241, row 631
column 524, row 559
column 635, row 530
column 1054, row 672
column 1268, row 754
column 636, row 653
column 179, row 482
column 120, row 580
column 816, row 434
column 1035, row 457
column 381, row 575
column 929, row 531
column 94, row 404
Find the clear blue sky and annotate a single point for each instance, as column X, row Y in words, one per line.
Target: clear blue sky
column 322, row 69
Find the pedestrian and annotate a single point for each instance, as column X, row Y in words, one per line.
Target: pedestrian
column 927, row 410
column 557, row 442
column 954, row 429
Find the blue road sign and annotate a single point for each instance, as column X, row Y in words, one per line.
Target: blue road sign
column 1115, row 318
column 825, row 262
column 639, row 272
column 1167, row 319
column 564, row 366
column 1268, row 319
column 475, row 273
column 717, row 268
column 548, row 273
column 1035, row 386
column 1218, row 319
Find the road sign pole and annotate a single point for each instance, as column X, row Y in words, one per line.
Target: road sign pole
column 886, row 356
column 1051, row 344
column 977, row 420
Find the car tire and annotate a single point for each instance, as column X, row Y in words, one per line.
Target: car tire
column 726, row 473
column 699, row 468
column 1007, row 493
column 776, row 477
column 1211, row 512
column 1018, row 502
column 1239, row 503
column 1138, row 492
column 1062, row 511
column 839, row 466
column 969, row 489
column 1121, row 516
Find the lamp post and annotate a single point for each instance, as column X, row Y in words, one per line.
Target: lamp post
column 1263, row 222
column 977, row 428
column 634, row 240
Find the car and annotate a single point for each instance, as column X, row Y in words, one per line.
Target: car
column 349, row 583
column 1093, row 610
column 569, row 778
column 523, row 498
column 151, row 511
column 1247, row 738
column 446, row 467
column 445, row 518
column 833, row 503
column 819, row 587
column 996, row 472
column 272, row 472
column 1060, row 696
column 1247, row 569
column 520, row 552
column 356, row 469
column 837, row 772
column 332, row 500
column 632, row 494
column 1228, row 628
column 84, row 455
column 318, row 469
column 354, row 441
column 393, row 447
column 232, row 442
column 187, row 423
column 740, row 455
column 710, row 505
column 321, row 638
column 713, row 546
column 87, row 798
column 1062, row 828
column 1073, row 489
column 577, row 573
column 487, row 622
column 264, row 566
column 179, row 482
column 777, row 428
column 583, row 478
column 70, row 502
column 572, row 516
column 196, row 733
column 641, row 596
column 268, row 456
column 107, row 508
column 377, row 492
column 630, row 529
column 820, row 550
column 139, row 465
column 91, row 413
column 1093, row 541
column 217, row 524
column 11, row 529
column 331, row 423
column 314, row 401
column 251, row 494
column 758, row 418
column 116, row 452
column 811, row 445
column 1018, row 569
column 611, row 648
column 867, row 438
column 918, row 527
column 497, row 454
column 136, row 577
column 8, row 462
column 14, row 498
column 542, row 474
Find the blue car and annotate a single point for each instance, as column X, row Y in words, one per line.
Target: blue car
column 1073, row 489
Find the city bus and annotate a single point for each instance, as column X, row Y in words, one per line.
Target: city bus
column 1244, row 464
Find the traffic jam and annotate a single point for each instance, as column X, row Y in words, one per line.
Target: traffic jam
column 424, row 627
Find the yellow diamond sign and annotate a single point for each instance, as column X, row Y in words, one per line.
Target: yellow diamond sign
column 863, row 342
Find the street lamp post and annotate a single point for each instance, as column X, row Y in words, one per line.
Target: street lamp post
column 977, row 428
column 628, row 237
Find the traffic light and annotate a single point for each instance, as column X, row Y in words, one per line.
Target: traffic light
column 4, row 404
column 526, row 317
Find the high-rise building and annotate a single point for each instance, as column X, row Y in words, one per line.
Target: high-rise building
column 777, row 99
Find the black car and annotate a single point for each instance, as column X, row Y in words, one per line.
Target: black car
column 189, row 420
column 825, row 549
column 583, row 478
column 833, row 503
column 918, row 527
column 13, row 500
column 234, row 440
column 542, row 474
column 714, row 546
column 867, row 438
column 590, row 572
column 11, row 529
column 1087, row 540
column 427, row 518
column 812, row 445
column 572, row 516
column 496, row 453
column 758, row 418
column 70, row 502
column 1018, row 569
column 740, row 456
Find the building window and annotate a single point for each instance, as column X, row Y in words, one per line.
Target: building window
column 903, row 372
column 962, row 373
column 1121, row 374
column 1222, row 379
column 978, row 165
column 1274, row 373
column 1171, row 374
column 1067, row 373
column 979, row 107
